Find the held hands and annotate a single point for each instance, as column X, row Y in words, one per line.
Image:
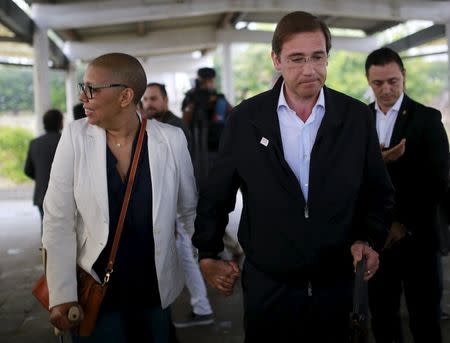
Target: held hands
column 360, row 249
column 221, row 275
column 66, row 316
column 394, row 153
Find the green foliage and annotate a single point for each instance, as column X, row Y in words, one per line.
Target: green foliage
column 16, row 84
column 425, row 79
column 13, row 150
column 252, row 70
column 346, row 73
column 58, row 90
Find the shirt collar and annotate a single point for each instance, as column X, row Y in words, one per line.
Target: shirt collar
column 396, row 106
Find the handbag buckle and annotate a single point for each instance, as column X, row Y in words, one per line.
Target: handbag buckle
column 107, row 276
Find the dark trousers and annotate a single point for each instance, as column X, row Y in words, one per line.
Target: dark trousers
column 409, row 268
column 150, row 326
column 276, row 311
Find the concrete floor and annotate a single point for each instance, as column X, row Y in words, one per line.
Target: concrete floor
column 23, row 320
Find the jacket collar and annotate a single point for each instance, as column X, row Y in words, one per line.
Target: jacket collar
column 400, row 122
column 265, row 118
column 95, row 152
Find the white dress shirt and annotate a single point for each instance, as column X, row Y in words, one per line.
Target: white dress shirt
column 385, row 122
column 298, row 137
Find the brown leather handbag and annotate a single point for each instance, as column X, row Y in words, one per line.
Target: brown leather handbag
column 91, row 292
column 90, row 298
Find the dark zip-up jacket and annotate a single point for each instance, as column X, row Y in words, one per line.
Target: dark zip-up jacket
column 350, row 193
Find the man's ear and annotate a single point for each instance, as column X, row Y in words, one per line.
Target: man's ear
column 126, row 97
column 276, row 60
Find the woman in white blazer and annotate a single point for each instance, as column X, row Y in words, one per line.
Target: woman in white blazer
column 77, row 218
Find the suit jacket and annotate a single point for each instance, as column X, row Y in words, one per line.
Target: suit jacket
column 39, row 161
column 349, row 190
column 76, row 220
column 172, row 119
column 420, row 176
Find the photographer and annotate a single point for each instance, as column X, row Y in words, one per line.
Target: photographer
column 204, row 112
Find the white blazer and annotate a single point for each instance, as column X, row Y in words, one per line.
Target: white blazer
column 76, row 220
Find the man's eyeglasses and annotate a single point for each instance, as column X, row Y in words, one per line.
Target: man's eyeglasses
column 301, row 61
column 89, row 89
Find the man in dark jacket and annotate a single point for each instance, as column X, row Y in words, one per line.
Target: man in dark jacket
column 415, row 150
column 205, row 112
column 155, row 105
column 204, row 103
column 316, row 196
column 40, row 156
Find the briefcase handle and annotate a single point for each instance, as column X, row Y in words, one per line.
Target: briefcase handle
column 360, row 297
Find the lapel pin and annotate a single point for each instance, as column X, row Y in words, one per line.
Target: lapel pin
column 264, row 141
column 404, row 112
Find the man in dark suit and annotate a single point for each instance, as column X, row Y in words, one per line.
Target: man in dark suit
column 415, row 150
column 315, row 195
column 40, row 156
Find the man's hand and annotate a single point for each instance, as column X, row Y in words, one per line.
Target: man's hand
column 360, row 249
column 396, row 233
column 394, row 153
column 59, row 316
column 221, row 275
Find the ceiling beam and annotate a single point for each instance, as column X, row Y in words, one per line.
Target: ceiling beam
column 17, row 21
column 153, row 43
column 198, row 38
column 86, row 14
column 358, row 44
column 225, row 20
column 10, row 40
column 418, row 38
column 72, row 34
column 173, row 63
column 141, row 29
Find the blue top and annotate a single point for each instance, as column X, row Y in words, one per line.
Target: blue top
column 133, row 282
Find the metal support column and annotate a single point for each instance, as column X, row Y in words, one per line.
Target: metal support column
column 447, row 33
column 227, row 72
column 71, row 91
column 41, row 76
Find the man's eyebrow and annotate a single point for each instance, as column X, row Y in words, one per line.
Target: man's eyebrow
column 386, row 80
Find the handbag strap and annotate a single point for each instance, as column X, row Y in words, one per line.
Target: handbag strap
column 126, row 200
